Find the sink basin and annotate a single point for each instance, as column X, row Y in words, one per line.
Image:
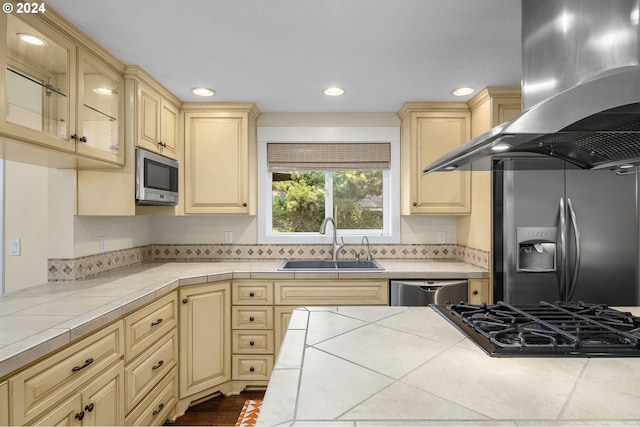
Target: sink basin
column 324, row 265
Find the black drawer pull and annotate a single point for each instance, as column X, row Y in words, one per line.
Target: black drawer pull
column 80, row 415
column 160, row 363
column 157, row 322
column 252, row 343
column 86, row 363
column 252, row 369
column 184, row 301
column 251, row 319
column 251, row 294
column 89, row 407
column 157, row 411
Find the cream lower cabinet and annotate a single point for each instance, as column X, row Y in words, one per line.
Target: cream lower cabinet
column 220, row 158
column 290, row 294
column 479, row 291
column 101, row 403
column 151, row 354
column 252, row 336
column 85, row 373
column 428, row 131
column 205, row 340
column 4, row 404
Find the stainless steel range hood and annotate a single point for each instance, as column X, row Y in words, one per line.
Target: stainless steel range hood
column 580, row 89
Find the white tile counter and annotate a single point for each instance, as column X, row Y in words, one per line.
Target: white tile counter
column 42, row 319
column 409, row 366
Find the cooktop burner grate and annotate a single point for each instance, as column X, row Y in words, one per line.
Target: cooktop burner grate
column 547, row 329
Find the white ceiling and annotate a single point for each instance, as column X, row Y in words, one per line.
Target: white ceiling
column 281, row 54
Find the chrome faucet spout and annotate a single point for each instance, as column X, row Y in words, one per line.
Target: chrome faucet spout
column 336, row 246
column 369, row 257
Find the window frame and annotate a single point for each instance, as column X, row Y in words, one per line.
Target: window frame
column 391, row 180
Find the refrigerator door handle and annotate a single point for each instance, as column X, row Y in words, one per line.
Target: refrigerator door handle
column 562, row 252
column 576, row 234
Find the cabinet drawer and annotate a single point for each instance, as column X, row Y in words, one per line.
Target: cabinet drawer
column 252, row 367
column 257, row 317
column 157, row 405
column 252, row 293
column 147, row 325
column 35, row 389
column 145, row 372
column 326, row 292
column 252, row 342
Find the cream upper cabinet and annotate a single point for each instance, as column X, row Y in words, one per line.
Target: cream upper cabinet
column 38, row 88
column 205, row 337
column 99, row 131
column 220, row 158
column 428, row 131
column 156, row 115
column 57, row 95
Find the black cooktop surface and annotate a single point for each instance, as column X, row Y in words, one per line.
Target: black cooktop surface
column 547, row 329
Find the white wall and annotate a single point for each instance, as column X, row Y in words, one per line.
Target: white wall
column 120, row 233
column 204, row 229
column 26, row 218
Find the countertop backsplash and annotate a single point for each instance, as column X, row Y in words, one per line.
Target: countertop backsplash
column 63, row 269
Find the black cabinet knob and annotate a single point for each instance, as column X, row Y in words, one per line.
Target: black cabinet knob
column 252, row 369
column 475, row 292
column 251, row 294
column 252, row 343
column 89, row 407
column 184, row 301
column 251, row 319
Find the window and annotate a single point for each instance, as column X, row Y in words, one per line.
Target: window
column 301, row 200
column 301, row 183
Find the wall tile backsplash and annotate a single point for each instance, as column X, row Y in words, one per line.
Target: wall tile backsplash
column 62, row 269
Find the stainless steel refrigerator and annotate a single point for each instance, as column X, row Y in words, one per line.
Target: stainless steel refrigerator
column 564, row 234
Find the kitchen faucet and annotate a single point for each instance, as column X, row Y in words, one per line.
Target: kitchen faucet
column 369, row 257
column 336, row 246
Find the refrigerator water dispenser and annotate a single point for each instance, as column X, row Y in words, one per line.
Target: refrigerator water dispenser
column 536, row 249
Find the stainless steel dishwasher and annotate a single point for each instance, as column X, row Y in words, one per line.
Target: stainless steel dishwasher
column 425, row 292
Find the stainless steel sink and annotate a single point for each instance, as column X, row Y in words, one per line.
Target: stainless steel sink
column 325, row 265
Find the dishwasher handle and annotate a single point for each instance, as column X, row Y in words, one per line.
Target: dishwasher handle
column 432, row 288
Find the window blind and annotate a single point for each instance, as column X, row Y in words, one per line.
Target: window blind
column 328, row 156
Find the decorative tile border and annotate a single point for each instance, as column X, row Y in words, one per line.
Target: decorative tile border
column 62, row 269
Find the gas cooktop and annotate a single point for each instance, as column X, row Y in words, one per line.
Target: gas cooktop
column 547, row 329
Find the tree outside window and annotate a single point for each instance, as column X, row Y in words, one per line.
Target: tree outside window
column 301, row 200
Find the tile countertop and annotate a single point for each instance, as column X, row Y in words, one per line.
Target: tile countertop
column 41, row 319
column 408, row 366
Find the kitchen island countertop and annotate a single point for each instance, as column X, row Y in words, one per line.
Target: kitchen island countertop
column 41, row 319
column 410, row 366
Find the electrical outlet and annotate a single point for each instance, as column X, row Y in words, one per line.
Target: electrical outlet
column 14, row 247
column 102, row 244
column 442, row 237
column 228, row 236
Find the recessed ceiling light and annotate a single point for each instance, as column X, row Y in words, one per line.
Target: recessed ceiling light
column 463, row 91
column 203, row 91
column 32, row 39
column 103, row 90
column 333, row 91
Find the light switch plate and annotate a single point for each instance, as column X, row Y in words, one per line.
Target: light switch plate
column 14, row 247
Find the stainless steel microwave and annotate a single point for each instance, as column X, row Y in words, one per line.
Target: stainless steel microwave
column 156, row 179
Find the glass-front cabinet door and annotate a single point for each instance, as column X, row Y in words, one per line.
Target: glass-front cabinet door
column 100, row 110
column 38, row 87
